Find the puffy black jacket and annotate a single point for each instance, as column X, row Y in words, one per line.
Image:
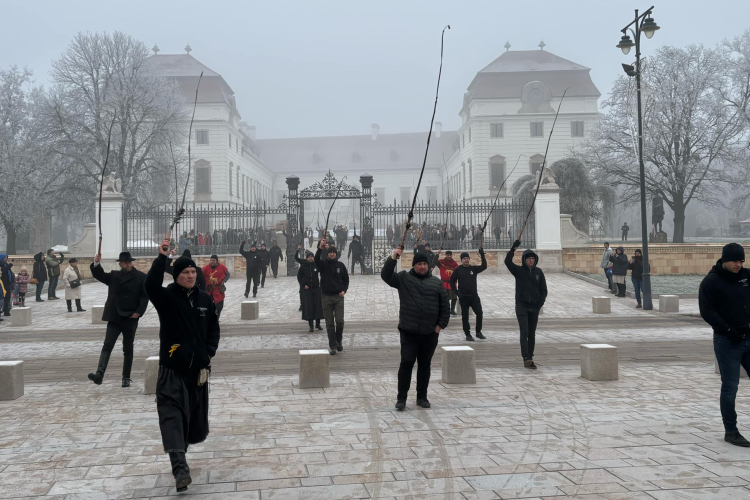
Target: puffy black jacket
column 466, row 276
column 40, row 269
column 422, row 299
column 334, row 278
column 531, row 287
column 188, row 326
column 619, row 262
column 724, row 299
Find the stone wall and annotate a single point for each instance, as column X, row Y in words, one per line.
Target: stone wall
column 549, row 260
column 664, row 259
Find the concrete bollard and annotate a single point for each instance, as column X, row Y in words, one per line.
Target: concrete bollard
column 669, row 303
column 11, row 380
column 249, row 309
column 458, row 365
column 599, row 362
column 743, row 373
column 20, row 316
column 96, row 315
column 150, row 374
column 314, row 368
column 601, row 305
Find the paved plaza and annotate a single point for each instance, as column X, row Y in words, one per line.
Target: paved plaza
column 654, row 434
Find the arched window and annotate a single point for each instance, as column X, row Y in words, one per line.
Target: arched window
column 497, row 173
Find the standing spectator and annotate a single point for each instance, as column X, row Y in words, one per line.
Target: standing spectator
column 619, row 270
column 389, row 234
column 216, row 274
column 2, row 294
column 39, row 273
column 53, row 269
column 724, row 301
column 636, row 274
column 606, row 265
column 625, row 229
column 7, row 279
column 22, row 280
column 72, row 281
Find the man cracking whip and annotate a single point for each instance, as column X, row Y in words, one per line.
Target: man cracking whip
column 464, row 284
column 334, row 282
column 188, row 339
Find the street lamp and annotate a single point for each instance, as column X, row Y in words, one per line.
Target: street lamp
column 648, row 27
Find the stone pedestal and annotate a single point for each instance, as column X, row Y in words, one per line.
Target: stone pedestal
column 547, row 219
column 458, row 365
column 249, row 309
column 601, row 305
column 150, row 374
column 669, row 303
column 11, row 380
column 112, row 242
column 599, row 362
column 96, row 315
column 743, row 373
column 20, row 316
column 314, row 368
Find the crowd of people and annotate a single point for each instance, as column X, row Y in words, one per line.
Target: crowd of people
column 448, row 235
column 616, row 266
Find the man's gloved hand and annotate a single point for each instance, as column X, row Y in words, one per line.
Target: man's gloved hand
column 516, row 244
column 737, row 335
column 481, row 251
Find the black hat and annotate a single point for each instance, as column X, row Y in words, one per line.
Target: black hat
column 331, row 249
column 448, row 252
column 464, row 254
column 73, row 260
column 419, row 257
column 125, row 257
column 732, row 252
column 253, row 245
column 187, row 254
column 214, row 256
column 427, row 245
column 181, row 264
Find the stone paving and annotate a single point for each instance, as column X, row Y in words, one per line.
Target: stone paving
column 654, row 434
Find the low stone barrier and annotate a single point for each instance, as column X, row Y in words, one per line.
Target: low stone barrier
column 150, row 374
column 20, row 316
column 11, row 380
column 249, row 309
column 601, row 305
column 599, row 362
column 96, row 315
column 458, row 365
column 669, row 303
column 314, row 368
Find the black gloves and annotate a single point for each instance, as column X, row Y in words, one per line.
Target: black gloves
column 481, row 251
column 737, row 335
column 516, row 244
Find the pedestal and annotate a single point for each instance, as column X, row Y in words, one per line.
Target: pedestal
column 11, row 380
column 314, row 368
column 601, row 305
column 249, row 309
column 547, row 218
column 112, row 241
column 599, row 362
column 458, row 365
column 20, row 316
column 150, row 374
column 669, row 303
column 96, row 315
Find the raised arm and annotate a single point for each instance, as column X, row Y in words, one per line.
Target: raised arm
column 484, row 260
column 242, row 250
column 98, row 273
column 512, row 266
column 155, row 277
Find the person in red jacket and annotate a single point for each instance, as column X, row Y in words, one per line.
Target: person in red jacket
column 216, row 274
column 447, row 265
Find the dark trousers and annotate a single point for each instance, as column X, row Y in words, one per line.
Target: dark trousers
column 730, row 357
column 466, row 302
column 52, row 287
column 182, row 406
column 7, row 303
column 252, row 277
column 609, row 280
column 39, row 287
column 263, row 276
column 416, row 348
column 127, row 327
column 275, row 267
column 333, row 309
column 358, row 260
column 637, row 287
column 219, row 308
column 528, row 317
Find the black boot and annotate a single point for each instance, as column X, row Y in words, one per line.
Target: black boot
column 103, row 362
column 317, row 325
column 70, row 305
column 339, row 333
column 310, row 323
column 180, row 470
column 127, row 365
column 78, row 306
column 736, row 439
column 453, row 308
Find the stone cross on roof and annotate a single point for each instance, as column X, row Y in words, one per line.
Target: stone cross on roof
column 541, row 45
column 188, row 48
column 507, row 45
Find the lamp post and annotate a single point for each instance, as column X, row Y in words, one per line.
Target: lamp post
column 645, row 24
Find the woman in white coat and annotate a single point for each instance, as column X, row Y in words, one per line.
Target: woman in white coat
column 72, row 280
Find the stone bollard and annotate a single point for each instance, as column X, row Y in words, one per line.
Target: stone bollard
column 458, row 365
column 20, row 316
column 601, row 305
column 96, row 315
column 599, row 362
column 743, row 373
column 150, row 374
column 11, row 380
column 314, row 368
column 669, row 303
column 249, row 309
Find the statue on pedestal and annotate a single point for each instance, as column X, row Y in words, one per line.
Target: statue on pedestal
column 112, row 184
column 657, row 216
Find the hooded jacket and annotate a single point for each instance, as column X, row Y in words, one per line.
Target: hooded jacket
column 422, row 299
column 188, row 326
column 531, row 287
column 39, row 272
column 619, row 262
column 724, row 299
column 7, row 274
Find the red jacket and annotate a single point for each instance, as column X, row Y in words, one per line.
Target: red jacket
column 446, row 270
column 214, row 277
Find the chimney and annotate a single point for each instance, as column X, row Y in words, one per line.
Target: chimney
column 375, row 130
column 438, row 128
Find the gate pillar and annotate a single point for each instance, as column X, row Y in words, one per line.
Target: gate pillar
column 365, row 209
column 293, row 230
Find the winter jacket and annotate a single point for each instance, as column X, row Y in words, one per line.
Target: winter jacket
column 71, row 274
column 605, row 258
column 307, row 275
column 23, row 282
column 619, row 262
column 275, row 254
column 466, row 277
column 423, row 302
column 334, row 278
column 264, row 257
column 125, row 294
column 355, row 249
column 531, row 286
column 446, row 270
column 253, row 261
column 39, row 272
column 7, row 274
column 724, row 299
column 636, row 268
column 214, row 277
column 53, row 264
column 188, row 325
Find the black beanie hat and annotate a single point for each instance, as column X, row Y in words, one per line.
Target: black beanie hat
column 464, row 254
column 731, row 252
column 214, row 256
column 187, row 254
column 181, row 264
column 419, row 257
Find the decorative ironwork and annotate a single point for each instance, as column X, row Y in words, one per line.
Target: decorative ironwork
column 327, row 189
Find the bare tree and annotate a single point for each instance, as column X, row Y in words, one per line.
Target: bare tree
column 101, row 79
column 692, row 137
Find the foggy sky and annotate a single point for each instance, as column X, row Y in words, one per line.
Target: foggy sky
column 325, row 67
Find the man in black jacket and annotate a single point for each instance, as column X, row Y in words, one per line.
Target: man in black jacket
column 531, row 293
column 265, row 260
column 188, row 339
column 253, row 264
column 126, row 302
column 334, row 282
column 724, row 301
column 7, row 279
column 275, row 254
column 465, row 276
column 357, row 254
column 308, row 278
column 39, row 274
column 423, row 313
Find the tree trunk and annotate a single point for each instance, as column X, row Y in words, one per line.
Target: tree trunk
column 39, row 233
column 10, row 244
column 679, row 223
